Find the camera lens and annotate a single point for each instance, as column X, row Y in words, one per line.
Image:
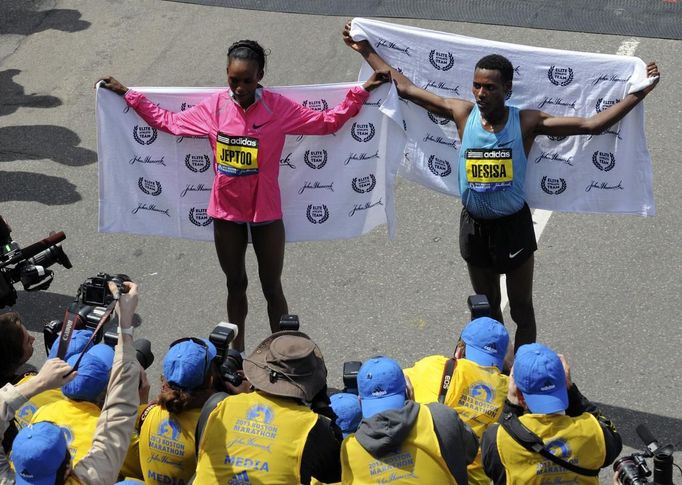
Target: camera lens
column 143, row 352
column 231, row 365
column 628, row 471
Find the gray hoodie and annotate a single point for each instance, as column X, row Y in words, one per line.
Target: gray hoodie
column 385, row 432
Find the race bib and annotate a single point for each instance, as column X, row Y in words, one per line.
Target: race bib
column 236, row 155
column 489, row 169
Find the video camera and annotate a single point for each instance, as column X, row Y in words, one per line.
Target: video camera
column 86, row 311
column 28, row 265
column 231, row 360
column 633, row 470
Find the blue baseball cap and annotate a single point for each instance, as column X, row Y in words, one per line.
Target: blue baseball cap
column 539, row 375
column 486, row 341
column 348, row 412
column 79, row 338
column 381, row 385
column 37, row 453
column 93, row 373
column 187, row 362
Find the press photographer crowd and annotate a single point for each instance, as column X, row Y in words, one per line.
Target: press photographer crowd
column 269, row 416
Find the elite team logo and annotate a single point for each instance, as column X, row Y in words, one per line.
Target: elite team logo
column 439, row 167
column 260, row 413
column 197, row 163
column 315, row 159
column 364, row 185
column 443, row 61
column 604, row 104
column 604, row 161
column 169, row 428
column 482, row 392
column 560, row 76
column 199, row 217
column 557, row 138
column 149, row 187
column 317, row 214
column 438, row 120
column 316, row 104
column 362, row 132
column 553, row 186
column 144, row 135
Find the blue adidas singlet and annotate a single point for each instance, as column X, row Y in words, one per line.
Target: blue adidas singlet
column 492, row 167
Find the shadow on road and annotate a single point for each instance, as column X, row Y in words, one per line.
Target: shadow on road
column 24, row 17
column 14, row 96
column 666, row 430
column 37, row 187
column 34, row 142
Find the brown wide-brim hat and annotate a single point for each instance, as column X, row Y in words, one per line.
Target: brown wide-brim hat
column 287, row 364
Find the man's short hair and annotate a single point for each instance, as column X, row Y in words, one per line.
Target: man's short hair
column 496, row 62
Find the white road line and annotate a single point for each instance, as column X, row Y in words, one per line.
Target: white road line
column 541, row 216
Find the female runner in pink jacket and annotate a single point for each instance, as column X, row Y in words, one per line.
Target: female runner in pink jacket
column 246, row 126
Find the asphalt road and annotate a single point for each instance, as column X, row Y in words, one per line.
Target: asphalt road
column 607, row 288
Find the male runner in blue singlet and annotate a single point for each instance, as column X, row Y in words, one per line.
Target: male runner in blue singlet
column 496, row 229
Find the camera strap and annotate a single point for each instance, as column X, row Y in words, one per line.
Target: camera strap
column 143, row 416
column 71, row 321
column 532, row 442
column 445, row 381
column 70, row 324
column 208, row 407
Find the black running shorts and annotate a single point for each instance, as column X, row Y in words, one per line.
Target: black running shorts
column 500, row 245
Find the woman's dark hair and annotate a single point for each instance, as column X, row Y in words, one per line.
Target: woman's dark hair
column 496, row 62
column 247, row 50
column 176, row 400
column 11, row 344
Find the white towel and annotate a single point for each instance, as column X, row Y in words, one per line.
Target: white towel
column 608, row 173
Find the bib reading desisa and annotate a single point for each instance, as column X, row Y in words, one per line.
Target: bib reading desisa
column 489, row 169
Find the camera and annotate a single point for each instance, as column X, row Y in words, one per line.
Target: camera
column 82, row 316
column 95, row 290
column 479, row 306
column 231, row 361
column 28, row 265
column 633, row 469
